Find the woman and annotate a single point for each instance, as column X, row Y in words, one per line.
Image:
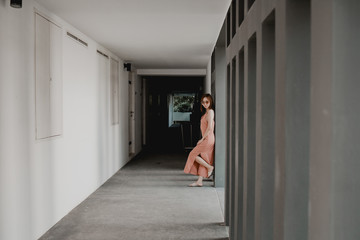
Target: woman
column 201, row 158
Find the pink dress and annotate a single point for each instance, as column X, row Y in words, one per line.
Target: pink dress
column 205, row 149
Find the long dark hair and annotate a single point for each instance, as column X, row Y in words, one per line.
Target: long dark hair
column 208, row 96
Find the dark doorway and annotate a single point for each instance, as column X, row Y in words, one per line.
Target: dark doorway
column 164, row 131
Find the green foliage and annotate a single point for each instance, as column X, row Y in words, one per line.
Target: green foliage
column 183, row 103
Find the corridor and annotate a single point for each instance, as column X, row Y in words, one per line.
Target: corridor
column 147, row 199
column 88, row 86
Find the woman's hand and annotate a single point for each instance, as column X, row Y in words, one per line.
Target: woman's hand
column 200, row 141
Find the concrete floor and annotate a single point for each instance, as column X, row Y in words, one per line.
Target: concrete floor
column 147, row 199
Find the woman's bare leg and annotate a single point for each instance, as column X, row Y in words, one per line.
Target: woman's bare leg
column 202, row 162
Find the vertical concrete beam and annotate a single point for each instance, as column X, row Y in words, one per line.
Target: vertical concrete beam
column 251, row 138
column 227, row 212
column 335, row 116
column 297, row 119
column 246, row 92
column 280, row 76
column 227, row 207
column 239, row 172
column 233, row 140
column 220, row 121
column 207, row 78
column 345, row 194
column 320, row 120
column 266, row 133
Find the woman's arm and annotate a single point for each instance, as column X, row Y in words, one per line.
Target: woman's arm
column 210, row 120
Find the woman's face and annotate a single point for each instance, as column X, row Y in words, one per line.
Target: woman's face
column 205, row 102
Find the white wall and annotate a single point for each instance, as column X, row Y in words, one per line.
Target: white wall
column 42, row 180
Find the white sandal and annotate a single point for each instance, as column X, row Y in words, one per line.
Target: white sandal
column 210, row 173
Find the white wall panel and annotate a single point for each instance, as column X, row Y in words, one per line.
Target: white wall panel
column 48, row 55
column 56, row 92
column 42, row 63
column 114, row 71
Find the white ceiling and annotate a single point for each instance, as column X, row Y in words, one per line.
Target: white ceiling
column 149, row 33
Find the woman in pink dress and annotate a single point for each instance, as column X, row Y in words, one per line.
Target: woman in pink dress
column 201, row 158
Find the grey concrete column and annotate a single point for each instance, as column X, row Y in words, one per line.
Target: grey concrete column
column 251, row 138
column 280, row 76
column 233, row 137
column 227, row 154
column 267, row 129
column 220, row 120
column 297, row 119
column 320, row 121
column 207, row 78
column 239, row 164
column 345, row 160
column 227, row 207
column 334, row 159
